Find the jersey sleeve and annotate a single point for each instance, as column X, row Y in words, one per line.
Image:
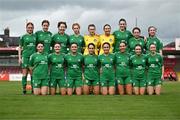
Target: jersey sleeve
column 68, row 42
column 130, row 61
column 161, row 60
column 21, row 42
column 52, row 41
column 99, row 61
column 49, row 59
column 31, row 61
column 161, row 46
column 99, row 42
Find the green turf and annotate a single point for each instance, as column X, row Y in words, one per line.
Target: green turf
column 13, row 105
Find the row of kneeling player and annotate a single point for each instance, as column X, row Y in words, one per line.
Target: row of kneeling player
column 97, row 73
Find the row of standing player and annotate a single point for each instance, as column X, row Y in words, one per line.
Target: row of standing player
column 27, row 41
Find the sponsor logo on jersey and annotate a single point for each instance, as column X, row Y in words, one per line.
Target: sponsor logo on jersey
column 139, row 67
column 90, row 66
column 60, row 65
column 152, row 65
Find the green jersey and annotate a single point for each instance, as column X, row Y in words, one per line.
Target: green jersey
column 56, row 62
column 107, row 64
column 45, row 38
column 39, row 65
column 28, row 44
column 138, row 64
column 74, row 65
column 154, row 63
column 122, row 61
column 63, row 39
column 156, row 41
column 79, row 40
column 121, row 36
column 135, row 41
column 91, row 67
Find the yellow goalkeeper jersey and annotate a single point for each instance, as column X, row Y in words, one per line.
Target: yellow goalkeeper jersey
column 108, row 39
column 91, row 39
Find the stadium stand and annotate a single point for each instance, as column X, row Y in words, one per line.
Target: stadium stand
column 8, row 55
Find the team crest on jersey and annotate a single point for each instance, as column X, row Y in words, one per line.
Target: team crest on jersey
column 46, row 41
column 154, row 42
column 79, row 60
column 41, row 35
column 110, row 40
column 157, row 60
column 95, row 40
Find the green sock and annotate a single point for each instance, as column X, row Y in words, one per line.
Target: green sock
column 24, row 81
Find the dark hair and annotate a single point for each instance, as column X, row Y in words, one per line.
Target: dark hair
column 57, row 43
column 136, row 28
column 73, row 43
column 91, row 44
column 74, row 24
column 139, row 46
column 151, row 27
column 29, row 23
column 152, row 44
column 122, row 19
column 39, row 43
column 106, row 43
column 106, row 25
column 91, row 25
column 61, row 22
column 123, row 42
column 45, row 21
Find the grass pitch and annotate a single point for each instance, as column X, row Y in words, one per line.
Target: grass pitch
column 14, row 105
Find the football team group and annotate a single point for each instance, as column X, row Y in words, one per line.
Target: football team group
column 121, row 62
